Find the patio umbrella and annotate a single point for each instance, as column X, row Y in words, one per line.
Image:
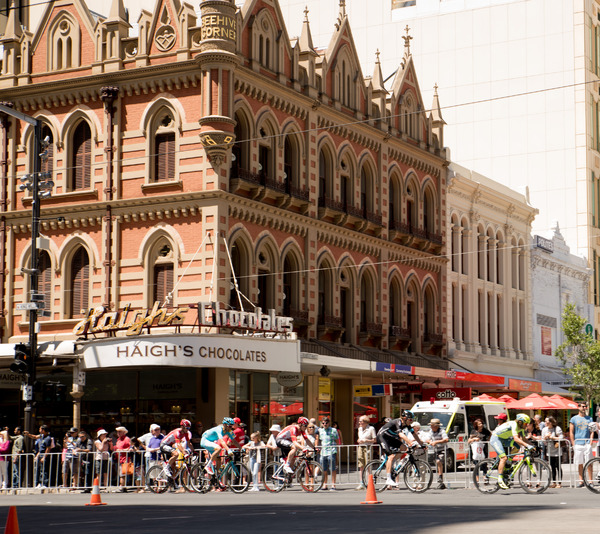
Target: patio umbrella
column 485, row 397
column 534, row 402
column 565, row 404
column 507, row 399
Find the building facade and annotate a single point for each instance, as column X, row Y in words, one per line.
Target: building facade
column 519, row 81
column 214, row 181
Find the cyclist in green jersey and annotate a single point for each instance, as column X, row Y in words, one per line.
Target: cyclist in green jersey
column 505, row 436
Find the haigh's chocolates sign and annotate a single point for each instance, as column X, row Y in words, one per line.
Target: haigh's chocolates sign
column 210, row 314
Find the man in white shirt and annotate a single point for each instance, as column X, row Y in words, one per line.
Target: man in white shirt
column 366, row 438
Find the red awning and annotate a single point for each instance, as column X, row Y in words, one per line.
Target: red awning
column 535, row 402
column 567, row 404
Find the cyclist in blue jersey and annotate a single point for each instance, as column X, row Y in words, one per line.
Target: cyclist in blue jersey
column 214, row 440
column 504, row 437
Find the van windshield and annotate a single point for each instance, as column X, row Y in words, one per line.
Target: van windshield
column 425, row 417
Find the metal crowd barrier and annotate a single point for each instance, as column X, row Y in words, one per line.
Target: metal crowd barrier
column 125, row 470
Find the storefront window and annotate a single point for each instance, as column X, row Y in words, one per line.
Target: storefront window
column 287, row 403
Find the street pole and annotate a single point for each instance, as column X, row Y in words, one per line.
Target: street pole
column 33, row 270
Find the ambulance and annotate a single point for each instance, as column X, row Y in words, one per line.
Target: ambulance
column 457, row 418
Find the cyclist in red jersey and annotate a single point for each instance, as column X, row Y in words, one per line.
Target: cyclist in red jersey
column 287, row 441
column 175, row 442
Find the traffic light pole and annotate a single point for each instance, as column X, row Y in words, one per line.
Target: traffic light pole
column 33, row 271
column 28, row 418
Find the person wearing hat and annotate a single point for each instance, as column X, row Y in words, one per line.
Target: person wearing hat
column 102, row 447
column 438, row 439
column 238, row 431
column 68, row 447
column 272, row 443
column 123, row 445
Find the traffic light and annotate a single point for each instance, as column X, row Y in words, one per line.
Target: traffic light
column 22, row 361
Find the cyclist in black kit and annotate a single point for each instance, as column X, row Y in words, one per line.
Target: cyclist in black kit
column 393, row 436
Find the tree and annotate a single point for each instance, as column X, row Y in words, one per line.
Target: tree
column 580, row 354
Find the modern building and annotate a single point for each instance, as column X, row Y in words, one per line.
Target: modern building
column 519, row 81
column 215, row 181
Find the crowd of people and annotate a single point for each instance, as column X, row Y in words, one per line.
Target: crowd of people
column 120, row 461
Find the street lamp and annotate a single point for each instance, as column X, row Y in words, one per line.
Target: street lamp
column 33, row 183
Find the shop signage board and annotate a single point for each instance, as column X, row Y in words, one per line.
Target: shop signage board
column 289, row 380
column 324, row 389
column 447, row 393
column 180, row 350
column 531, row 386
column 394, row 368
column 10, row 380
column 373, row 390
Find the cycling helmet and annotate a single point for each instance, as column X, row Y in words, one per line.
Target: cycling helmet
column 302, row 421
column 228, row 421
column 523, row 417
column 185, row 423
column 408, row 413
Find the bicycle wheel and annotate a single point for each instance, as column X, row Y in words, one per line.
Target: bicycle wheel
column 418, row 476
column 535, row 478
column 274, row 477
column 185, row 478
column 310, row 476
column 199, row 479
column 485, row 476
column 237, row 477
column 157, row 480
column 377, row 469
column 591, row 475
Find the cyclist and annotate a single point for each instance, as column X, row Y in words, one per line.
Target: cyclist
column 178, row 441
column 215, row 440
column 393, row 436
column 505, row 436
column 287, row 441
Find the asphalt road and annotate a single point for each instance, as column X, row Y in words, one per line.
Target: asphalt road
column 451, row 511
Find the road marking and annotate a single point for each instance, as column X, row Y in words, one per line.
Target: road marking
column 162, row 518
column 75, row 523
column 257, row 513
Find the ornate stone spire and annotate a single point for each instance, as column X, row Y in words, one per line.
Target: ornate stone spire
column 342, row 15
column 305, row 41
column 377, row 79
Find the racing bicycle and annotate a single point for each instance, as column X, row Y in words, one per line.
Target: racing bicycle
column 308, row 473
column 417, row 473
column 159, row 481
column 532, row 473
column 232, row 474
column 591, row 475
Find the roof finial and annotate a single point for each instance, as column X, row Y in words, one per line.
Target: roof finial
column 342, row 8
column 435, row 88
column 377, row 56
column 305, row 13
column 407, row 39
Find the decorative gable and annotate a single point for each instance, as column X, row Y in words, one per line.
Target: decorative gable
column 164, row 31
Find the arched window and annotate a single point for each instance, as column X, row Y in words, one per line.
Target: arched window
column 346, row 185
column 366, row 192
column 429, row 312
column 266, row 152
column 325, row 293
column 80, row 283
column 264, row 41
column 291, row 156
column 64, row 38
column 81, row 161
column 366, row 302
column 240, row 255
column 45, row 279
column 162, row 261
column 241, row 149
column 266, row 280
column 325, row 176
column 395, row 202
column 395, row 304
column 412, row 216
column 291, row 285
column 164, row 148
column 429, row 211
column 47, row 162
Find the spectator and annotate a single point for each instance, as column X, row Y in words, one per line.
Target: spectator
column 366, row 438
column 135, row 457
column 123, row 447
column 4, row 456
column 271, row 442
column 480, row 434
column 327, row 439
column 311, row 435
column 538, row 421
column 197, row 434
column 68, row 447
column 42, row 448
column 579, row 433
column 144, row 439
column 103, row 447
column 254, row 447
column 238, row 431
column 82, row 464
column 18, row 449
column 438, row 441
column 552, row 434
column 337, row 427
column 153, row 448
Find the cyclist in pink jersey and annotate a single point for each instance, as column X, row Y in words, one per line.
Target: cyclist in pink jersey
column 175, row 442
column 287, row 441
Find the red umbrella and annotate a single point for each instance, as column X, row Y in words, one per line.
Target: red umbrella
column 485, row 397
column 507, row 399
column 565, row 404
column 535, row 402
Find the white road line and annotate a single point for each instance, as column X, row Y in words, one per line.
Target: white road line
column 257, row 513
column 75, row 523
column 162, row 518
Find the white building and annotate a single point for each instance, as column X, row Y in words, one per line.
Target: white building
column 558, row 277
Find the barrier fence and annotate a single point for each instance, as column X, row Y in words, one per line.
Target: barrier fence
column 126, row 470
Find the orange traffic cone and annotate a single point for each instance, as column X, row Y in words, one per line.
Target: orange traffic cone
column 371, row 496
column 96, row 500
column 12, row 523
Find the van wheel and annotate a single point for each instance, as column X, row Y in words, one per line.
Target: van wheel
column 450, row 463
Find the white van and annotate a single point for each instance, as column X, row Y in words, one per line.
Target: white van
column 457, row 418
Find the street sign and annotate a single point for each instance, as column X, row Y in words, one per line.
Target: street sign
column 30, row 305
column 589, row 329
column 27, row 393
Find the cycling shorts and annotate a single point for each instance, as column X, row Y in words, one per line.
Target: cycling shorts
column 285, row 445
column 389, row 444
column 500, row 445
column 210, row 446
